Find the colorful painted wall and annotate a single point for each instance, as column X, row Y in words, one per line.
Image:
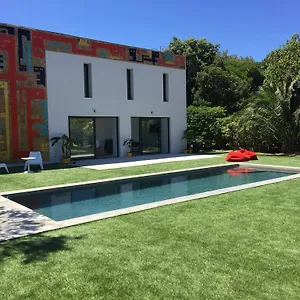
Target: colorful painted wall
column 23, row 91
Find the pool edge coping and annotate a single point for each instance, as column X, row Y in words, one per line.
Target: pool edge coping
column 138, row 208
column 123, row 178
column 120, row 178
column 53, row 225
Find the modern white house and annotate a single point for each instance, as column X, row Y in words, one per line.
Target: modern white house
column 121, row 100
column 99, row 94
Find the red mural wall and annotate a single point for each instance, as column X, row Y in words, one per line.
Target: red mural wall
column 23, row 91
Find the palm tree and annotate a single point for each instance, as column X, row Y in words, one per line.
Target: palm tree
column 278, row 113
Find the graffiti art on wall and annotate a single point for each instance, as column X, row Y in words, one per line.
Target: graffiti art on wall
column 23, row 88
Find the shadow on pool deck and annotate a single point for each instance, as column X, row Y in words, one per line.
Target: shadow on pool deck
column 16, row 221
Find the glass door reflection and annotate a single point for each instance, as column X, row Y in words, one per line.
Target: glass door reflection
column 150, row 135
column 82, row 131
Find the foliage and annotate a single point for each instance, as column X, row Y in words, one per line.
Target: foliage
column 215, row 78
column 282, row 65
column 260, row 101
column 271, row 119
column 66, row 144
column 214, row 87
column 247, row 70
column 199, row 53
column 274, row 120
column 228, row 127
column 227, row 83
column 131, row 143
column 202, row 126
column 83, row 130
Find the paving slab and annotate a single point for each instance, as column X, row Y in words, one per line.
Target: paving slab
column 123, row 162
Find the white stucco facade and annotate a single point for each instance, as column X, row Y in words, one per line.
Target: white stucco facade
column 65, row 92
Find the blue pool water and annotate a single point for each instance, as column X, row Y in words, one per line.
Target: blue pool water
column 68, row 203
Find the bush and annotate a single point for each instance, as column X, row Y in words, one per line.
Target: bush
column 203, row 126
column 245, row 130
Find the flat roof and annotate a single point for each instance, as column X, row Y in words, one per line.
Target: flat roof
column 41, row 40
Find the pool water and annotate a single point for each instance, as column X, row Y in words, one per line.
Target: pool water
column 73, row 202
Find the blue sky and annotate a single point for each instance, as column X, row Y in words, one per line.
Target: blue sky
column 246, row 28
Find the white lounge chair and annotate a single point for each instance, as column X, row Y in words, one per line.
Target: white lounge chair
column 37, row 161
column 2, row 165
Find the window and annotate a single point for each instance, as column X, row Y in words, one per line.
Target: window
column 129, row 74
column 165, row 87
column 87, row 73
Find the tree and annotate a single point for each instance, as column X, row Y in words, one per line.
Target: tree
column 215, row 87
column 247, row 70
column 216, row 78
column 282, row 92
column 270, row 120
column 199, row 53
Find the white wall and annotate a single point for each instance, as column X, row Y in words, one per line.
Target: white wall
column 64, row 73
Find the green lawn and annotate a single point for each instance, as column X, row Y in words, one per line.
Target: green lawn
column 241, row 245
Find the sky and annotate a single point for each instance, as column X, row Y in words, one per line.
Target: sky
column 244, row 28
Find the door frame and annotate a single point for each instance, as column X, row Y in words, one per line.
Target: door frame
column 94, row 133
column 159, row 133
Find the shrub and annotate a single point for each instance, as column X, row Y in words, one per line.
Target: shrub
column 203, row 126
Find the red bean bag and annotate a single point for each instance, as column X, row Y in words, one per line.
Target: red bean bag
column 241, row 155
column 250, row 154
column 237, row 156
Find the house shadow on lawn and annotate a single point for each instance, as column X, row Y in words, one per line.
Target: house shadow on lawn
column 35, row 248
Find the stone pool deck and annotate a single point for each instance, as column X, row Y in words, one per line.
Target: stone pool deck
column 141, row 160
column 17, row 220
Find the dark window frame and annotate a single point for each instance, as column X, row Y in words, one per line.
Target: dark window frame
column 87, row 78
column 129, row 80
column 165, row 87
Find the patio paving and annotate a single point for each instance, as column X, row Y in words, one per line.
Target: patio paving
column 142, row 160
column 17, row 220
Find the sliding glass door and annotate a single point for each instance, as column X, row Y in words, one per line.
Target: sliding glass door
column 94, row 137
column 150, row 135
column 106, row 136
column 82, row 131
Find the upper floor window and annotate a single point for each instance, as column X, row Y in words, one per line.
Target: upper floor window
column 87, row 74
column 165, row 87
column 129, row 75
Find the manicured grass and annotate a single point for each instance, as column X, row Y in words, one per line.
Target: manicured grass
column 241, row 245
column 280, row 160
column 56, row 174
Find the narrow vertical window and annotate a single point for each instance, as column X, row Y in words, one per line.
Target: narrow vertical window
column 129, row 74
column 165, row 88
column 87, row 73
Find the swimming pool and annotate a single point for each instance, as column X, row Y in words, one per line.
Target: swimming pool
column 74, row 202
